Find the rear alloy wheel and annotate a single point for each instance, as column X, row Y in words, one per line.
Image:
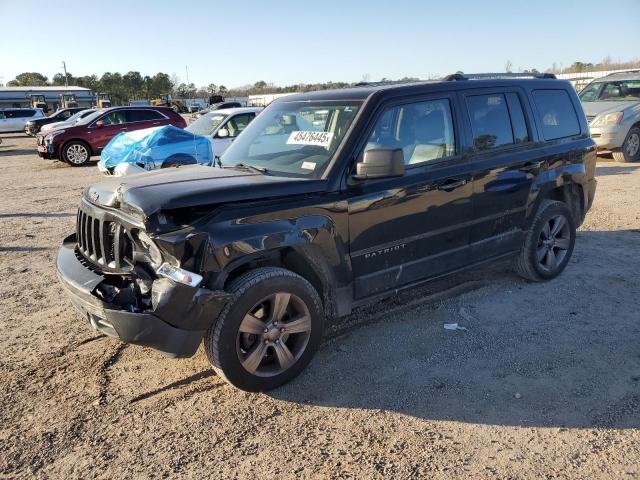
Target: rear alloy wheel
column 548, row 243
column 630, row 151
column 269, row 330
column 76, row 154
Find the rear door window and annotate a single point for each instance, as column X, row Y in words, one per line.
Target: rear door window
column 490, row 121
column 26, row 113
column 557, row 115
column 143, row 115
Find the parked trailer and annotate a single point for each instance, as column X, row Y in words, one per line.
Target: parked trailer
column 21, row 97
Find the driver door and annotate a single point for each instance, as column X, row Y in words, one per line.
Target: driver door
column 114, row 123
column 409, row 228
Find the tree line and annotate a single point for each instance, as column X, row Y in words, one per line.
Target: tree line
column 135, row 86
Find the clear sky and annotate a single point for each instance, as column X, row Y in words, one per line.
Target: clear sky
column 285, row 42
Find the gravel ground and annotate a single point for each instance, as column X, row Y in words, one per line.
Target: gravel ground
column 544, row 383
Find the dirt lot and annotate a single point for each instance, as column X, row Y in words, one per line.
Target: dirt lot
column 544, row 383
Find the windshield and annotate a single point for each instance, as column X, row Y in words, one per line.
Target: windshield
column 77, row 116
column 293, row 138
column 206, row 124
column 611, row 91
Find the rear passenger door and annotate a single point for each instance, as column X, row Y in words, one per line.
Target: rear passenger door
column 405, row 229
column 504, row 160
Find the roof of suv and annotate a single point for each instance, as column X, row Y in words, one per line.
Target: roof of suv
column 365, row 91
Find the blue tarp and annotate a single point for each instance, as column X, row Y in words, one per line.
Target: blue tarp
column 149, row 148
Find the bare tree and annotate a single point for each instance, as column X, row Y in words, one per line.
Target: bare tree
column 508, row 66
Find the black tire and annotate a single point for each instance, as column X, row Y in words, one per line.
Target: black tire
column 178, row 159
column 630, row 151
column 528, row 264
column 223, row 340
column 72, row 153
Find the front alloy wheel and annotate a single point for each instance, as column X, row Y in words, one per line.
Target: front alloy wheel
column 269, row 330
column 76, row 154
column 630, row 151
column 273, row 334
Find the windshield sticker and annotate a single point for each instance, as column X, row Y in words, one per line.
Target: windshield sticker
column 309, row 165
column 321, row 139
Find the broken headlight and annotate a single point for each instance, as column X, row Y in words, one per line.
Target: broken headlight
column 179, row 275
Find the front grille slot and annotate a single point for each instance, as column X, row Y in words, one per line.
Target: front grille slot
column 103, row 242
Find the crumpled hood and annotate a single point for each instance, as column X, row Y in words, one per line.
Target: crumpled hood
column 192, row 186
column 596, row 108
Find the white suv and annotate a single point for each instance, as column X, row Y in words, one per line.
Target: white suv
column 612, row 106
column 15, row 119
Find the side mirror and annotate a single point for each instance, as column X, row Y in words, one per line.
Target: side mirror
column 222, row 133
column 380, row 163
column 99, row 124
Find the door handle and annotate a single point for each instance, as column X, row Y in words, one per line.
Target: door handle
column 527, row 167
column 451, row 184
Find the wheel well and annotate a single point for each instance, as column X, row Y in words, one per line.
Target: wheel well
column 179, row 159
column 78, row 140
column 571, row 194
column 293, row 260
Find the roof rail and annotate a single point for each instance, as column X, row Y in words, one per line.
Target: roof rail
column 488, row 76
column 386, row 82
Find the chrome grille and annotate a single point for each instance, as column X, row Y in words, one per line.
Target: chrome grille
column 103, row 241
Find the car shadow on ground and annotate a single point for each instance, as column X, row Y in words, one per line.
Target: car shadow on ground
column 6, row 151
column 604, row 170
column 37, row 214
column 533, row 354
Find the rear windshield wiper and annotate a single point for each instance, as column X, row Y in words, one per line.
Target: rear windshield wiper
column 251, row 168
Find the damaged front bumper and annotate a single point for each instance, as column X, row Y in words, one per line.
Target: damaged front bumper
column 174, row 322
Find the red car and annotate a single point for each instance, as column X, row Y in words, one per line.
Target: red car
column 76, row 145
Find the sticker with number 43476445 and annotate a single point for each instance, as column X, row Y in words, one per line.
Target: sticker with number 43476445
column 321, row 139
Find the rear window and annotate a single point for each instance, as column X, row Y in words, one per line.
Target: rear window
column 557, row 114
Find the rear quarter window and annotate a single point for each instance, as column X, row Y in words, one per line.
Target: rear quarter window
column 557, row 114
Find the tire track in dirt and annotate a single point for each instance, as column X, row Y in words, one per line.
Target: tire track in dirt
column 104, row 378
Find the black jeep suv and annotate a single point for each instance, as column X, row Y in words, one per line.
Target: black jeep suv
column 329, row 200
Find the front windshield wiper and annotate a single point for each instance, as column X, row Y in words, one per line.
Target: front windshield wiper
column 251, row 168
